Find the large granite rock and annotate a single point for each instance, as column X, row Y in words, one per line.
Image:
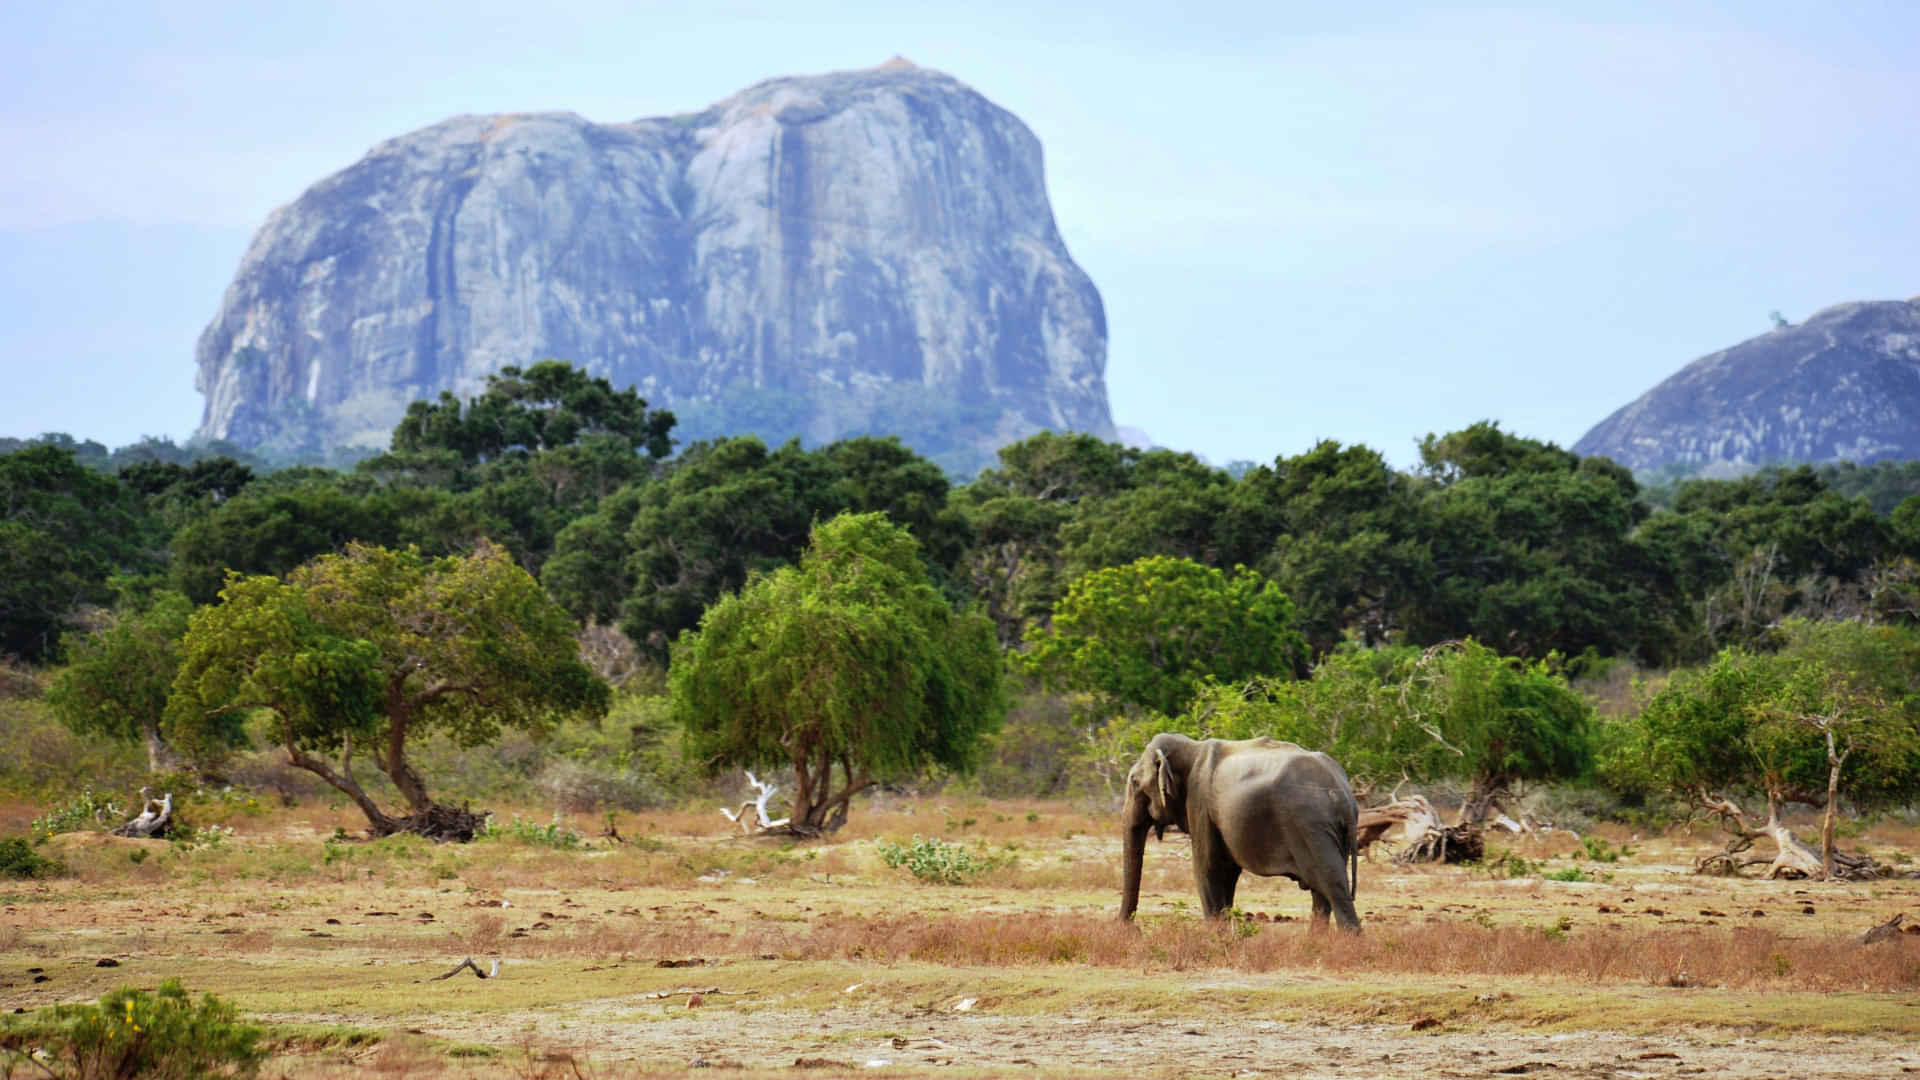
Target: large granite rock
column 864, row 251
column 1845, row 384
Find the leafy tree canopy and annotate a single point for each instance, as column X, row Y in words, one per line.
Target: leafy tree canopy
column 1147, row 634
column 850, row 659
column 1459, row 711
column 548, row 405
column 1755, row 722
column 117, row 678
column 65, row 531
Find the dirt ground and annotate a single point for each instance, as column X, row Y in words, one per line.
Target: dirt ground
column 692, row 953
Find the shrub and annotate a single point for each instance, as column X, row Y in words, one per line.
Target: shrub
column 84, row 811
column 132, row 1033
column 553, row 835
column 19, row 860
column 1509, row 864
column 1597, row 849
column 937, row 862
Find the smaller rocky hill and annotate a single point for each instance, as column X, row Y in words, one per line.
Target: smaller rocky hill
column 1844, row 385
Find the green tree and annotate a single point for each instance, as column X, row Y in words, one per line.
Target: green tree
column 270, row 530
column 65, row 531
column 1835, row 709
column 368, row 650
column 116, row 680
column 850, row 659
column 658, row 552
column 1455, row 712
column 1338, row 530
column 1532, row 550
column 549, row 405
column 1148, row 633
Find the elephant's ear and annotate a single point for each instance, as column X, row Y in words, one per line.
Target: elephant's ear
column 1160, row 787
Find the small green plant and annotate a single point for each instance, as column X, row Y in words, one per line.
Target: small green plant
column 205, row 836
column 937, row 862
column 1782, row 966
column 1597, row 849
column 1571, row 873
column 553, row 834
column 1559, row 930
column 19, row 860
column 1509, row 864
column 1244, row 924
column 130, row 1032
column 84, row 811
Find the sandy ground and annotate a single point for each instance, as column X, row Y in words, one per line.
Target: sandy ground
column 615, row 1034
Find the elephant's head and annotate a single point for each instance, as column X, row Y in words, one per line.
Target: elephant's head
column 1156, row 798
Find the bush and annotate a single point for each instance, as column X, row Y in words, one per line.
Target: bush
column 85, row 811
column 937, row 862
column 19, row 860
column 132, row 1033
column 40, row 760
column 553, row 835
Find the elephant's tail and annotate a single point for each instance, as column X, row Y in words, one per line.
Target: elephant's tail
column 1353, row 862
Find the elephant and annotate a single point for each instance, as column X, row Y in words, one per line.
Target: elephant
column 1259, row 805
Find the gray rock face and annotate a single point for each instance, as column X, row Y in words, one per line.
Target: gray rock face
column 821, row 252
column 1845, row 384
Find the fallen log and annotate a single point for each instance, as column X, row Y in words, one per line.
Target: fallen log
column 1423, row 837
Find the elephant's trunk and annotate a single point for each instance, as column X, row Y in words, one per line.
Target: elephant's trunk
column 1130, row 859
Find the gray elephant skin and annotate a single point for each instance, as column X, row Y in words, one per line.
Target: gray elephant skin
column 1257, row 805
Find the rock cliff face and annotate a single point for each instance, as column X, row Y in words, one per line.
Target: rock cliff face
column 855, row 252
column 1845, row 384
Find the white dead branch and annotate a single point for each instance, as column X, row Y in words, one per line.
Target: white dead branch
column 761, row 822
column 154, row 817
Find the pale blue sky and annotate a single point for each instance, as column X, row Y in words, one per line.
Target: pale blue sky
column 1304, row 224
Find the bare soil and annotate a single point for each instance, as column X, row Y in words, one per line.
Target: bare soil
column 695, row 953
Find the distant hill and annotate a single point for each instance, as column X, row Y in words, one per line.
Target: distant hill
column 865, row 252
column 1844, row 385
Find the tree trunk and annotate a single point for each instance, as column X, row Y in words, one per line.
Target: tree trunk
column 394, row 761
column 1835, row 759
column 161, row 758
column 378, row 823
column 1480, row 802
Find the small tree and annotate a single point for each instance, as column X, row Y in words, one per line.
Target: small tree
column 1835, row 708
column 1149, row 633
column 117, row 679
column 850, row 659
column 1454, row 711
column 368, row 650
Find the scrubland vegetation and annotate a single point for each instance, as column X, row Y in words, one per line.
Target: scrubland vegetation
column 534, row 630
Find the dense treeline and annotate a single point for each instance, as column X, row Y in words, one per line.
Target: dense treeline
column 1328, row 571
column 1508, row 540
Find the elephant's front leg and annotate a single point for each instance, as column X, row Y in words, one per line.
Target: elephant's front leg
column 1214, row 871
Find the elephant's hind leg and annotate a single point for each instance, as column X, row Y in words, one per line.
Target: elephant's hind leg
column 1325, row 875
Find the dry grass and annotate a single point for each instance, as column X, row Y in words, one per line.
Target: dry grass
column 1741, row 957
